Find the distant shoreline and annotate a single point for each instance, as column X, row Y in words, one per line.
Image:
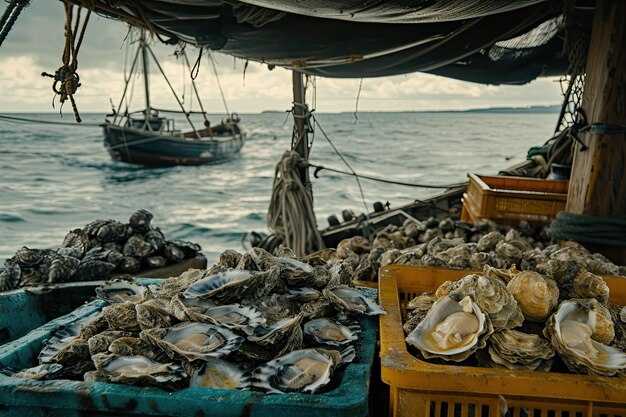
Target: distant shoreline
column 493, row 110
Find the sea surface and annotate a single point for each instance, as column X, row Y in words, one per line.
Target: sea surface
column 55, row 178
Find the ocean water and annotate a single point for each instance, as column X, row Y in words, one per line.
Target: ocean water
column 56, row 178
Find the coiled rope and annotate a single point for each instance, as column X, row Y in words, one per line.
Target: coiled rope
column 601, row 230
column 290, row 214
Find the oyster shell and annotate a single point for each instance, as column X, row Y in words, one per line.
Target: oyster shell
column 154, row 313
column 327, row 331
column 492, row 297
column 536, row 295
column 352, row 300
column 232, row 316
column 516, row 350
column 575, row 281
column 570, row 330
column 140, row 221
column 120, row 291
column 100, row 342
column 234, row 285
column 122, row 316
column 44, row 371
column 139, row 370
column 219, row 374
column 306, row 371
column 193, row 340
column 451, row 330
column 303, row 295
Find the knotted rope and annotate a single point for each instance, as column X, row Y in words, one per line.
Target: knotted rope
column 290, row 213
column 66, row 79
column 8, row 19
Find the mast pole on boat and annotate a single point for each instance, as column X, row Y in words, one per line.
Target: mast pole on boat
column 598, row 180
column 300, row 139
column 146, row 79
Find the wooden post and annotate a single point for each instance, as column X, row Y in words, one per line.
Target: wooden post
column 598, row 181
column 300, row 140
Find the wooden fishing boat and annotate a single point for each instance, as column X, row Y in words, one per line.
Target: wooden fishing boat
column 145, row 137
column 161, row 145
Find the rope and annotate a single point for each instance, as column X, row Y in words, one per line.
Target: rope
column 319, row 168
column 601, row 230
column 12, row 12
column 290, row 213
column 66, row 80
column 217, row 78
column 46, row 122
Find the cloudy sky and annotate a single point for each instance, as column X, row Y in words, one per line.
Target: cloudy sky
column 36, row 44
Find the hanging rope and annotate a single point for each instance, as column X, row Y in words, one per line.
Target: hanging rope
column 66, row 79
column 290, row 213
column 217, row 78
column 12, row 12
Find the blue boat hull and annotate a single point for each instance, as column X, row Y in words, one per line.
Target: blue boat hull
column 140, row 147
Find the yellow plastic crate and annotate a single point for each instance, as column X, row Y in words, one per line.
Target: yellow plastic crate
column 422, row 389
column 511, row 199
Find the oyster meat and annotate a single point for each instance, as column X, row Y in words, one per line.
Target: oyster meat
column 331, row 332
column 219, row 374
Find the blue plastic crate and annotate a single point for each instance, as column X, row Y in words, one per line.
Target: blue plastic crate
column 23, row 397
column 24, row 310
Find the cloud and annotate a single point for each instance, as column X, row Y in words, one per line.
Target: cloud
column 27, row 52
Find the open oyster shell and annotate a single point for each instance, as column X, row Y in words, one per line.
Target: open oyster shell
column 219, row 374
column 234, row 285
column 193, row 341
column 306, row 371
column 138, row 370
column 451, row 330
column 231, row 316
column 327, row 331
column 492, row 297
column 570, row 330
column 120, row 291
column 536, row 295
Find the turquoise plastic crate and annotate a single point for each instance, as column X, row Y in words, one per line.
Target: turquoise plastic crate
column 20, row 397
column 24, row 310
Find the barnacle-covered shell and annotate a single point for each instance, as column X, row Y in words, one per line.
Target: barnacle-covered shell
column 536, row 295
column 219, row 374
column 119, row 291
column 327, row 331
column 570, row 331
column 516, row 350
column 451, row 330
column 352, row 300
column 194, row 340
column 139, row 370
column 492, row 297
column 305, row 371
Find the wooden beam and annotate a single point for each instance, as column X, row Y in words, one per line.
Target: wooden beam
column 598, row 181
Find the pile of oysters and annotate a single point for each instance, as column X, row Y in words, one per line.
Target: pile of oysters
column 456, row 244
column 511, row 319
column 95, row 252
column 253, row 321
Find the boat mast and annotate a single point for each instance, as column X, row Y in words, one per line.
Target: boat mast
column 146, row 80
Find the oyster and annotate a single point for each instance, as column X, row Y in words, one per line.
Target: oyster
column 129, row 265
column 278, row 331
column 306, row 370
column 232, row 316
column 173, row 253
column 111, row 231
column 570, row 330
column 516, row 350
column 417, row 309
column 120, row 291
column 140, row 221
column 10, row 275
column 132, row 346
column 352, row 300
column 138, row 370
column 575, row 281
column 492, row 297
column 138, row 248
column 234, row 285
column 154, row 313
column 303, row 295
column 54, row 349
column 219, row 374
column 77, row 240
column 193, row 341
column 155, row 261
column 62, row 268
column 122, row 316
column 100, row 342
column 536, row 295
column 451, row 330
column 331, row 332
column 44, row 371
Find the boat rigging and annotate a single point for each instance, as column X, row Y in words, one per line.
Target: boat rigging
column 145, row 137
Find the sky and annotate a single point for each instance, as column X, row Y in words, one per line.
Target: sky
column 36, row 43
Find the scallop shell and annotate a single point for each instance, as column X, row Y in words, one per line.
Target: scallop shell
column 449, row 332
column 536, row 295
column 219, row 374
column 570, row 330
column 194, row 340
